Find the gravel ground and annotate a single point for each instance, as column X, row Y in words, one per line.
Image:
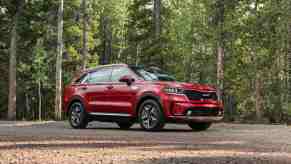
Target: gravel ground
column 55, row 142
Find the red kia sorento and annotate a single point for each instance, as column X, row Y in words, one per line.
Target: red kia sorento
column 127, row 94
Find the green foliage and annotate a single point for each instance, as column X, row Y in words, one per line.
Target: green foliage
column 39, row 64
column 254, row 33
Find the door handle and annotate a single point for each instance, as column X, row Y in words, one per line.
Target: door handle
column 110, row 87
column 83, row 88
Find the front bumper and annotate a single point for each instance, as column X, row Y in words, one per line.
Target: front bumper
column 195, row 111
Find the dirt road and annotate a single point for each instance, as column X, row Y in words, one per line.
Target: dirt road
column 56, row 142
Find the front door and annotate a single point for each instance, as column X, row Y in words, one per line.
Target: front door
column 121, row 95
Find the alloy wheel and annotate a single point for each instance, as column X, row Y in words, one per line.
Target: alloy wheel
column 76, row 112
column 149, row 116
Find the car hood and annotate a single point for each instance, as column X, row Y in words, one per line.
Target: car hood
column 187, row 86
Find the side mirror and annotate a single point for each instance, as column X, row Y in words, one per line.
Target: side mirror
column 127, row 79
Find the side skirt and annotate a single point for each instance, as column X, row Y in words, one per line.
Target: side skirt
column 110, row 114
column 110, row 117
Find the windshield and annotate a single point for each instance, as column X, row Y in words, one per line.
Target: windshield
column 152, row 74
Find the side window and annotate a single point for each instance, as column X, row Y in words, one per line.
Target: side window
column 102, row 75
column 119, row 72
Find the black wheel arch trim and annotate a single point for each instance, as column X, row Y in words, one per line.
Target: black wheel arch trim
column 147, row 95
column 72, row 100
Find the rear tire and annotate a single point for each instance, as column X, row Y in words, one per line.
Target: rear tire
column 151, row 116
column 199, row 126
column 124, row 125
column 78, row 116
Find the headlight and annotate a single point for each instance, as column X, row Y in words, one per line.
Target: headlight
column 174, row 90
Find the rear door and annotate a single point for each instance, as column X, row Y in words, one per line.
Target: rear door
column 96, row 90
column 122, row 96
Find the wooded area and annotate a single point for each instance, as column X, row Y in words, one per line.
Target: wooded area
column 242, row 47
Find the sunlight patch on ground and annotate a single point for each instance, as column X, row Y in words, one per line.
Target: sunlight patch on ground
column 22, row 124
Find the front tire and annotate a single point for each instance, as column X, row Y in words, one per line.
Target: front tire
column 151, row 117
column 78, row 116
column 199, row 126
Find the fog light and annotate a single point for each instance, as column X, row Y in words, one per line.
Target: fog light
column 189, row 113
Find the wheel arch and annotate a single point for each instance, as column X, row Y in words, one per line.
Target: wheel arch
column 146, row 96
column 73, row 100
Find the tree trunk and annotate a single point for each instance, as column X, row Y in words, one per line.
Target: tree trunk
column 107, row 40
column 27, row 106
column 58, row 99
column 85, row 34
column 11, row 115
column 39, row 100
column 190, row 58
column 289, row 59
column 220, row 49
column 157, row 18
column 220, row 72
column 137, row 54
column 258, row 94
column 122, row 43
column 189, row 63
column 158, row 58
column 12, row 73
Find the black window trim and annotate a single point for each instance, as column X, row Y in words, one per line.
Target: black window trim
column 86, row 75
column 112, row 68
column 80, row 79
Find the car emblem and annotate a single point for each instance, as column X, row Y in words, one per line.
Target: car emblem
column 206, row 95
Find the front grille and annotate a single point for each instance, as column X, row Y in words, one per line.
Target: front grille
column 195, row 95
column 204, row 112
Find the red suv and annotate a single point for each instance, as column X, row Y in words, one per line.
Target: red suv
column 127, row 94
